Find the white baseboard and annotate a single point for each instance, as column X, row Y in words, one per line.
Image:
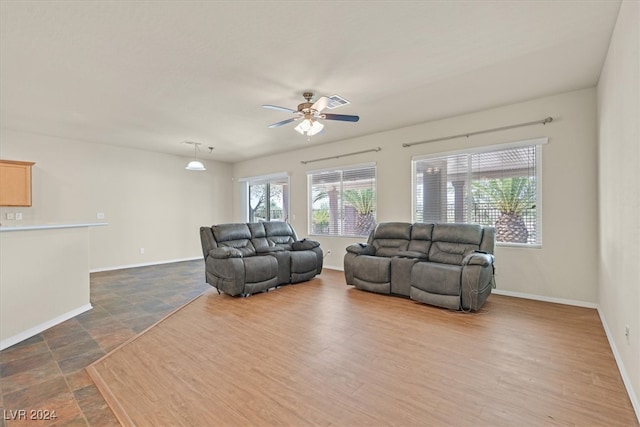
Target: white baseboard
column 8, row 342
column 623, row 372
column 564, row 301
column 144, row 264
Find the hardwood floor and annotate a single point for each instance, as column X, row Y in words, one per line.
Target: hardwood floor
column 322, row 353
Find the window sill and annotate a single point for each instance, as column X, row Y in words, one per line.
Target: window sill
column 519, row 245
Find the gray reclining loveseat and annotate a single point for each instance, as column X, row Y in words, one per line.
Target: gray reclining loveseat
column 447, row 265
column 245, row 258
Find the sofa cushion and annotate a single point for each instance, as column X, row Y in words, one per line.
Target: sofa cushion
column 226, row 232
column 457, row 233
column 442, row 279
column 421, row 238
column 452, row 242
column 373, row 269
column 280, row 233
column 303, row 262
column 260, row 269
column 234, row 236
column 391, row 238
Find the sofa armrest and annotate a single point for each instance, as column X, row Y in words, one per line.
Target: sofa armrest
column 361, row 249
column 223, row 252
column 478, row 258
column 305, row 245
column 413, row 254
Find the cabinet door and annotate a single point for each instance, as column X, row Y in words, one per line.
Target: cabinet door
column 15, row 183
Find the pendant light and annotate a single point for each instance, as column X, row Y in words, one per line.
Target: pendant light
column 195, row 164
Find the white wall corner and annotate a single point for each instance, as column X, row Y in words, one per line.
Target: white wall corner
column 623, row 372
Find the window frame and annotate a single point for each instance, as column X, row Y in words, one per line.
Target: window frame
column 263, row 179
column 540, row 142
column 342, row 170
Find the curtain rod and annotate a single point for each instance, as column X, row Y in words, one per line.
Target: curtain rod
column 304, row 162
column 537, row 122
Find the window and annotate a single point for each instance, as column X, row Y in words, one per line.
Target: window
column 497, row 186
column 342, row 201
column 266, row 198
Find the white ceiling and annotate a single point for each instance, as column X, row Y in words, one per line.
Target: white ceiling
column 152, row 74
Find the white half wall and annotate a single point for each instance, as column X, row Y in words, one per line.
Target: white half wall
column 564, row 268
column 619, row 195
column 44, row 275
column 149, row 200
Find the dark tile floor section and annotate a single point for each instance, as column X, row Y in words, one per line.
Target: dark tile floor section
column 46, row 372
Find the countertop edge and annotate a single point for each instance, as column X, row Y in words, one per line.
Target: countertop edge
column 51, row 226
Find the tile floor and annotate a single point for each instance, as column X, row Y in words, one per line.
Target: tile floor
column 46, row 372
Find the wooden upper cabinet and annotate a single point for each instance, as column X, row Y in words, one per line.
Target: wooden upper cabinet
column 15, row 183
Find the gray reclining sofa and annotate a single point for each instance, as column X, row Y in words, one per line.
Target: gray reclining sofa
column 447, row 265
column 245, row 258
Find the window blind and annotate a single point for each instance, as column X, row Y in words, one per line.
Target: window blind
column 342, row 201
column 500, row 188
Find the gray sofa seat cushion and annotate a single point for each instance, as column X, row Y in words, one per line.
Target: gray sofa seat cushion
column 260, row 269
column 303, row 266
column 441, row 279
column 372, row 269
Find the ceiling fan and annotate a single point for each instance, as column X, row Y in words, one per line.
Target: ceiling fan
column 311, row 112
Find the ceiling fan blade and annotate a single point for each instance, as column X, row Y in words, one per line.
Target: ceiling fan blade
column 275, row 107
column 341, row 117
column 320, row 104
column 284, row 122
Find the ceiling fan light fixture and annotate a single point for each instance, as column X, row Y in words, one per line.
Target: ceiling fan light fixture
column 309, row 127
column 303, row 127
column 310, row 113
column 316, row 127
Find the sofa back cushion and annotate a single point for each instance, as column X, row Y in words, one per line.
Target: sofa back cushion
column 421, row 238
column 235, row 236
column 452, row 242
column 280, row 233
column 391, row 238
column 259, row 237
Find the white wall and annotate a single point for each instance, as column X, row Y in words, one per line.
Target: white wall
column 619, row 193
column 149, row 200
column 41, row 287
column 564, row 268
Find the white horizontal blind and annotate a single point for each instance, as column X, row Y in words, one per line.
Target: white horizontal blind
column 342, row 201
column 498, row 188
